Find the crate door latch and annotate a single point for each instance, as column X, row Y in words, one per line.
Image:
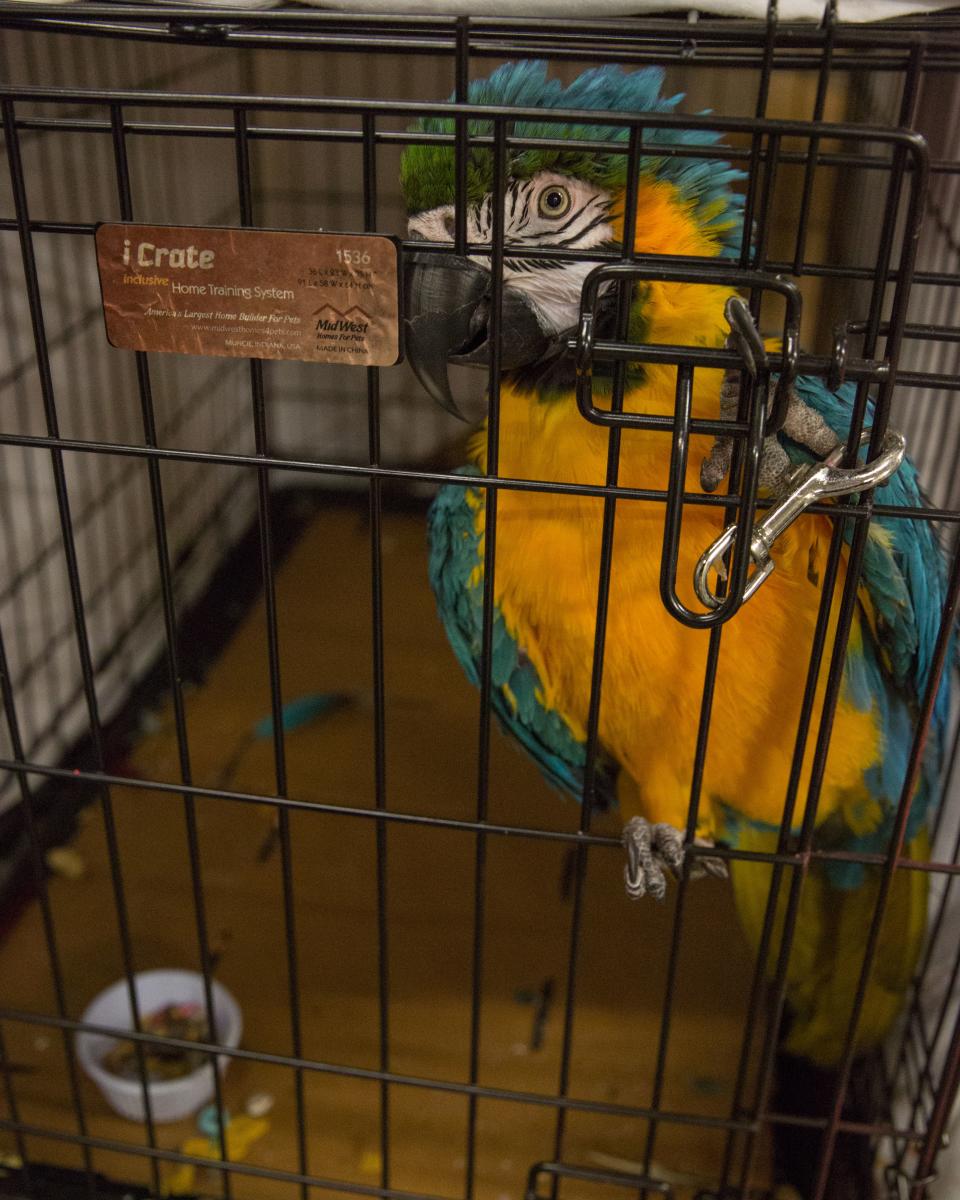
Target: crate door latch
column 807, row 485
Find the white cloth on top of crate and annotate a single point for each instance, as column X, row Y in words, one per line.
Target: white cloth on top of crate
column 788, row 10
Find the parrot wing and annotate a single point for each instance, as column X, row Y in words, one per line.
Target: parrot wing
column 456, row 575
column 903, row 588
column 903, row 569
column 887, row 668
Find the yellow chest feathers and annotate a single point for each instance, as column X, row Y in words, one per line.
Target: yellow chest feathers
column 546, row 581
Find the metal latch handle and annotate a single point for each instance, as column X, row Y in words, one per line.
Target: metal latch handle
column 809, row 484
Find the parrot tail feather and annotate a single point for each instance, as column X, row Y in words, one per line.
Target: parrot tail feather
column 826, row 957
column 803, row 1089
column 823, row 977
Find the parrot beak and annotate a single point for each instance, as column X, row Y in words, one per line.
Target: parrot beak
column 447, row 311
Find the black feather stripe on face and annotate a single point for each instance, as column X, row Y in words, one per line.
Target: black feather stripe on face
column 576, row 218
column 568, row 233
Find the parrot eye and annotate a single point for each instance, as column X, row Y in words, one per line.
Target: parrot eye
column 554, row 201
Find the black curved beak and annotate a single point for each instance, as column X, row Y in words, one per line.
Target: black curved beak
column 447, row 319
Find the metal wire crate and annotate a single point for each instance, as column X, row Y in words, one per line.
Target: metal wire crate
column 231, row 118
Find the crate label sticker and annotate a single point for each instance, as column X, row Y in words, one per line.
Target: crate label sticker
column 251, row 293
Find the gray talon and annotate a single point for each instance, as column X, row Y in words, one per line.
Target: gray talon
column 651, row 849
column 669, row 842
column 802, row 423
column 700, row 868
column 641, row 870
column 805, row 425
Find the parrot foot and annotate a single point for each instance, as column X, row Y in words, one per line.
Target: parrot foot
column 802, row 424
column 652, row 851
column 702, row 866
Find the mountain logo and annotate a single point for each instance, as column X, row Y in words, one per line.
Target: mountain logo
column 330, row 319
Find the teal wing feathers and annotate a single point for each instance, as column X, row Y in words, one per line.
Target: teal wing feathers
column 456, row 577
column 907, row 578
column 904, row 577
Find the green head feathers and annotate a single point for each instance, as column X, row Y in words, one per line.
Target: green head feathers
column 428, row 171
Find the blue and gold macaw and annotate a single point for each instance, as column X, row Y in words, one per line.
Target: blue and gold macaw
column 548, row 548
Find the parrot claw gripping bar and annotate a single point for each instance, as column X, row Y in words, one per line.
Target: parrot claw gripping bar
column 808, row 485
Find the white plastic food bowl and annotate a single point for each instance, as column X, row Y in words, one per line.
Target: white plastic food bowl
column 170, row 1099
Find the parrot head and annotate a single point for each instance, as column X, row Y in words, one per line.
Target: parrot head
column 567, row 197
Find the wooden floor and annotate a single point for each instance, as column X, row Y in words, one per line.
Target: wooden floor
column 431, row 720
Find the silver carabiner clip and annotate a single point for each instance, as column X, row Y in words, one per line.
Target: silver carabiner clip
column 810, row 484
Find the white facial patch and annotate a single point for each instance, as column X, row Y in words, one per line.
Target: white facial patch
column 546, row 211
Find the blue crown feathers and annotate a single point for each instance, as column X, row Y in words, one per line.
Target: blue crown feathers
column 428, row 172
